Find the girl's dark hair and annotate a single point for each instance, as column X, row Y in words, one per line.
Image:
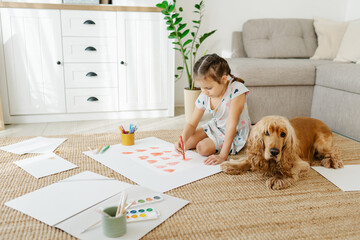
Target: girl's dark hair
column 214, row 66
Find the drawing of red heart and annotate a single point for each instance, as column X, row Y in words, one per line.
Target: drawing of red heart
column 159, row 166
column 164, row 158
column 154, row 147
column 151, row 161
column 140, row 150
column 156, row 154
column 127, row 152
column 144, row 157
column 169, row 170
column 173, row 163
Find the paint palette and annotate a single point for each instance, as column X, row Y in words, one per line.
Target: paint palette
column 141, row 214
column 146, row 200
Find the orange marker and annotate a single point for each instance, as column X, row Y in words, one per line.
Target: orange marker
column 182, row 147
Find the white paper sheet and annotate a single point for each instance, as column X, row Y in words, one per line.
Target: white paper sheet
column 45, row 165
column 347, row 178
column 145, row 173
column 34, row 145
column 81, row 221
column 66, row 198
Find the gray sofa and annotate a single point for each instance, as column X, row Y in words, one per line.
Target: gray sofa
column 272, row 56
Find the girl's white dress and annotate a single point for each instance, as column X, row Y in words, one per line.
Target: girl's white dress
column 215, row 128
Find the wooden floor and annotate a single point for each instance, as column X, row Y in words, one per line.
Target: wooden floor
column 96, row 126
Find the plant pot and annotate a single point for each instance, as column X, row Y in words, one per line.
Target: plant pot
column 190, row 97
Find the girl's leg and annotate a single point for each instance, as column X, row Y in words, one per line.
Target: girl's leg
column 206, row 147
column 195, row 138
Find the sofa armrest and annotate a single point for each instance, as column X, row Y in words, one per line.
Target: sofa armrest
column 237, row 46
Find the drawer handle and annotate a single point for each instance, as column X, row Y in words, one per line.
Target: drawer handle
column 91, row 74
column 92, row 99
column 90, row 49
column 89, row 22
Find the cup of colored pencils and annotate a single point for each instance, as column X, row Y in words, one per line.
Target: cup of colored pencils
column 128, row 137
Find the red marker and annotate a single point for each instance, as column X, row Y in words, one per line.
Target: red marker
column 182, row 147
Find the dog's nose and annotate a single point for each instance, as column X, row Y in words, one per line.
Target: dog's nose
column 274, row 151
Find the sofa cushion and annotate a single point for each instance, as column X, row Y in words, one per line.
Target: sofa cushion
column 329, row 33
column 275, row 72
column 279, row 38
column 342, row 76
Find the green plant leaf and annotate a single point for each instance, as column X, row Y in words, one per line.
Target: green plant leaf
column 178, row 20
column 198, row 22
column 165, row 12
column 171, row 7
column 197, row 6
column 169, row 22
column 187, row 42
column 161, row 5
column 170, row 28
column 181, row 26
column 176, row 76
column 167, row 18
column 196, row 12
column 175, row 15
column 206, row 35
column 181, row 9
column 184, row 33
column 177, row 49
column 176, row 43
column 193, row 34
column 197, row 46
column 180, row 68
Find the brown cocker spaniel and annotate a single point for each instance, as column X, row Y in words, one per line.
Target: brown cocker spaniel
column 283, row 149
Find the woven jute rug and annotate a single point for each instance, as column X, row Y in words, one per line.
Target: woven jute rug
column 221, row 206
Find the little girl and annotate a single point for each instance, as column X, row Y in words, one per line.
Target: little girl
column 226, row 133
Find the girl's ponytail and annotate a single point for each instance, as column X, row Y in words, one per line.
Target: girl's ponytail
column 236, row 78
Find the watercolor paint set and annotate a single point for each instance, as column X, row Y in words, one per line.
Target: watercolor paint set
column 141, row 214
column 146, row 200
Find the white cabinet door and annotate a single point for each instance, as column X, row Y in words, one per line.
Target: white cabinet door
column 33, row 57
column 143, row 55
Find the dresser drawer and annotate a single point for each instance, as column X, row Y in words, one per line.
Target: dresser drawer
column 91, row 100
column 78, row 49
column 90, row 75
column 88, row 23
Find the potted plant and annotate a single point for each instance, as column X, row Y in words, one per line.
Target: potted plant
column 186, row 41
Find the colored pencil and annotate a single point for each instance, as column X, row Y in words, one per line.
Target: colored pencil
column 182, row 147
column 106, row 148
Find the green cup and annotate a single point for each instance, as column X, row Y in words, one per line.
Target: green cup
column 113, row 226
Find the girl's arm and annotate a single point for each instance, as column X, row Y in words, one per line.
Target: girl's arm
column 190, row 128
column 236, row 107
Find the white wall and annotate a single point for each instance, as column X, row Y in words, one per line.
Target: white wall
column 228, row 15
column 353, row 10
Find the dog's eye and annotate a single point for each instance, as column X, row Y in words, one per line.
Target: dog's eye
column 267, row 133
column 282, row 134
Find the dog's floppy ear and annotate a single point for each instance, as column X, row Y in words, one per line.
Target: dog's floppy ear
column 290, row 148
column 255, row 145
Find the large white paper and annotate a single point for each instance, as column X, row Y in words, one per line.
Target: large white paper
column 136, row 230
column 66, row 198
column 45, row 165
column 34, row 145
column 143, row 164
column 347, row 178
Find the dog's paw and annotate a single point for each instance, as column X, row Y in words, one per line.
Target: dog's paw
column 230, row 169
column 276, row 183
column 332, row 163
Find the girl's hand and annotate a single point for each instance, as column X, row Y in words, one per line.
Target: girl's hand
column 178, row 148
column 214, row 160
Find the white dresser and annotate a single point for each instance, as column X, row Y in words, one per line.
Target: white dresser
column 66, row 65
